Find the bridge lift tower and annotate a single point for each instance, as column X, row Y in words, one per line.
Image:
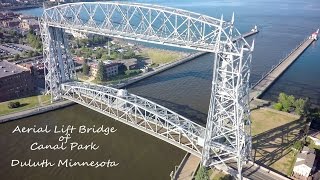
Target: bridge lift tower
column 227, row 137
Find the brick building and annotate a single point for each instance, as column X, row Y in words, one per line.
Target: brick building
column 15, row 81
column 111, row 69
column 11, row 23
column 29, row 24
column 129, row 63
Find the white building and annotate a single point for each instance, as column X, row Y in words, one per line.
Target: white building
column 304, row 163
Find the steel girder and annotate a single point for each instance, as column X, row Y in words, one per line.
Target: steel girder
column 142, row 22
column 227, row 134
column 139, row 113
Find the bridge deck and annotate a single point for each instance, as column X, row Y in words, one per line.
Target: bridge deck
column 138, row 113
column 270, row 78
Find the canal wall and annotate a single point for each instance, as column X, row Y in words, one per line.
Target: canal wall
column 159, row 70
column 269, row 78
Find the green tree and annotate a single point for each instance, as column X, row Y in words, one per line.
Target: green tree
column 286, row 101
column 12, row 105
column 21, row 41
column 298, row 145
column 34, row 40
column 278, row 106
column 291, row 100
column 99, row 54
column 300, row 106
column 202, row 174
column 85, row 68
column 104, row 57
column 113, row 55
column 16, row 57
column 100, row 72
column 30, row 54
column 132, row 72
column 129, row 54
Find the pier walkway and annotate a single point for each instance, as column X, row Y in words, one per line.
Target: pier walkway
column 187, row 168
column 266, row 81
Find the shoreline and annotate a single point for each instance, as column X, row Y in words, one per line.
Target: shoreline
column 35, row 111
column 18, row 8
column 62, row 104
column 158, row 70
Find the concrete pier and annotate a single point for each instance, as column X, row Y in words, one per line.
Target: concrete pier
column 266, row 81
column 187, row 168
column 248, row 34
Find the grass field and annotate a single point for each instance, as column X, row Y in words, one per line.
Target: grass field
column 263, row 120
column 215, row 174
column 158, row 56
column 26, row 103
column 272, row 136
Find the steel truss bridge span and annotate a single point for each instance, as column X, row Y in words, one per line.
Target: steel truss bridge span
column 143, row 22
column 227, row 135
column 139, row 113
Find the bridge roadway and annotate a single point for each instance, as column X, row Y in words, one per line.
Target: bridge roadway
column 261, row 86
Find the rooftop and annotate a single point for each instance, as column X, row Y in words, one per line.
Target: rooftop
column 31, row 21
column 8, row 69
column 307, row 157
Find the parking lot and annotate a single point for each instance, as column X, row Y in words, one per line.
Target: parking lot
column 12, row 49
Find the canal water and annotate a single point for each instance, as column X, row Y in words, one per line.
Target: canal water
column 140, row 156
column 184, row 89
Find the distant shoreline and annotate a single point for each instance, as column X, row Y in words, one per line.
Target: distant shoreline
column 16, row 8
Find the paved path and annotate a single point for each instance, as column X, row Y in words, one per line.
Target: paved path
column 268, row 80
column 189, row 168
column 39, row 100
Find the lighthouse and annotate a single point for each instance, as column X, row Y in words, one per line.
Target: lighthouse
column 315, row 35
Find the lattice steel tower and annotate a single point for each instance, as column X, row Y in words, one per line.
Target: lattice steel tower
column 58, row 63
column 228, row 129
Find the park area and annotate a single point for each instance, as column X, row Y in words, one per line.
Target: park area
column 25, row 103
column 273, row 135
column 160, row 56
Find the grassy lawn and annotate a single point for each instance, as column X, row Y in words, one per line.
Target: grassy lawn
column 82, row 77
column 215, row 174
column 263, row 120
column 272, row 137
column 27, row 103
column 158, row 56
